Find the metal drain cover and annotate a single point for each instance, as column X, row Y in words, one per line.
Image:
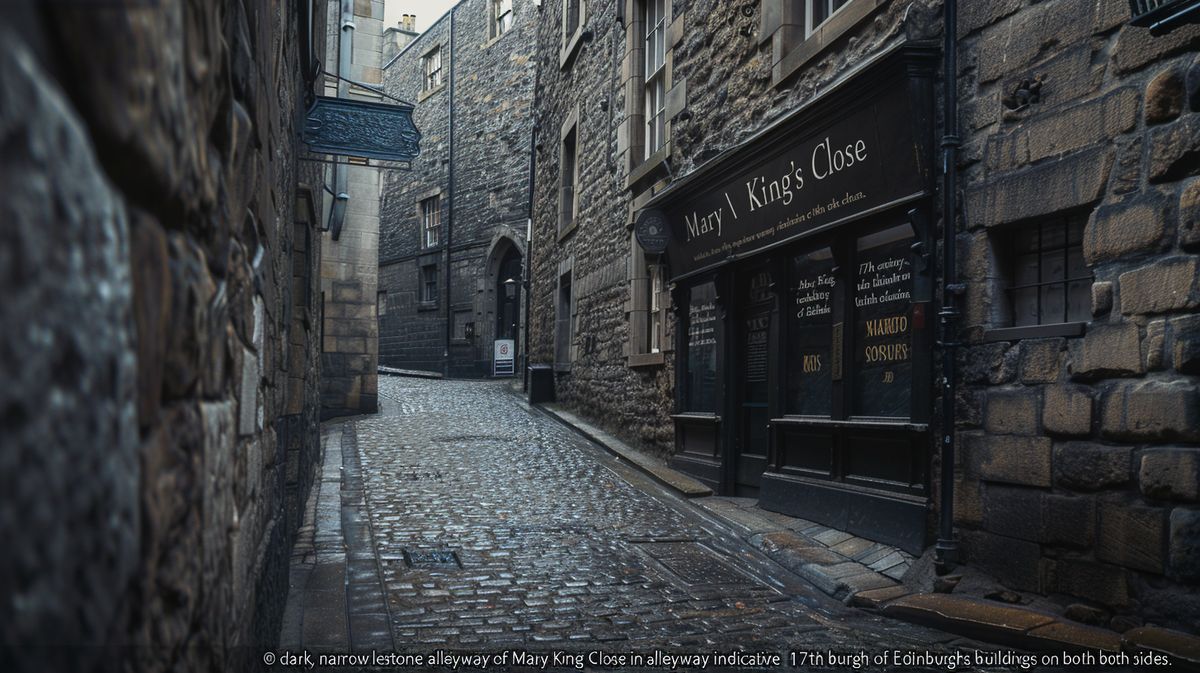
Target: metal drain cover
column 693, row 563
column 431, row 558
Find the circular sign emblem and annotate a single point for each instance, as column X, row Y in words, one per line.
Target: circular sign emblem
column 652, row 231
column 504, row 349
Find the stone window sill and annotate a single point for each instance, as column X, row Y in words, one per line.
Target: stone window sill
column 566, row 230
column 1066, row 329
column 562, row 367
column 649, row 166
column 822, row 38
column 429, row 92
column 493, row 40
column 570, row 47
column 427, row 306
column 646, row 360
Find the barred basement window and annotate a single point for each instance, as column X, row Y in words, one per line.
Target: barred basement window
column 1049, row 281
column 564, row 321
column 432, row 64
column 1163, row 16
column 429, row 283
column 654, row 87
column 431, row 221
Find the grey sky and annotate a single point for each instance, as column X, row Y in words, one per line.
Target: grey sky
column 427, row 11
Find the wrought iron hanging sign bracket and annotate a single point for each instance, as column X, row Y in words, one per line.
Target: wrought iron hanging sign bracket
column 346, row 127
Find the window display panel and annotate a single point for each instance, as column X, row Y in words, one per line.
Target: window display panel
column 883, row 324
column 810, row 333
column 701, row 384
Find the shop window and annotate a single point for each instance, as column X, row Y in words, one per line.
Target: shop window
column 813, row 287
column 700, row 380
column 429, row 284
column 500, row 17
column 568, row 177
column 564, row 321
column 654, row 87
column 431, row 63
column 431, row 221
column 883, row 343
column 1049, row 283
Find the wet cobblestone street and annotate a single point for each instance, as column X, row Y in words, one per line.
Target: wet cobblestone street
column 490, row 526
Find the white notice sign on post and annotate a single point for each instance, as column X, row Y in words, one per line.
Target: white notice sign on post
column 504, row 358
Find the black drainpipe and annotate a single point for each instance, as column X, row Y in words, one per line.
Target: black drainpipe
column 947, row 545
column 449, row 195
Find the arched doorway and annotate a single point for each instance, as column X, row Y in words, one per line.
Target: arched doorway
column 508, row 296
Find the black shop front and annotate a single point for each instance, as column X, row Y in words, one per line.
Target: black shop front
column 803, row 276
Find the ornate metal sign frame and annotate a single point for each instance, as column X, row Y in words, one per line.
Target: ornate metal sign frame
column 347, row 127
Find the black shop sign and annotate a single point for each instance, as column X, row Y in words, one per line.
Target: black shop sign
column 799, row 177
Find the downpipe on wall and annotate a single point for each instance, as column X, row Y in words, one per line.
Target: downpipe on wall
column 946, row 549
column 337, row 214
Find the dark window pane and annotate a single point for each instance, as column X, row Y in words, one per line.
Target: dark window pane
column 701, row 381
column 810, row 315
column 883, row 324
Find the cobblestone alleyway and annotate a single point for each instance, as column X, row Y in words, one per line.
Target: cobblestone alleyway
column 490, row 527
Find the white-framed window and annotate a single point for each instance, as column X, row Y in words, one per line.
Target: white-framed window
column 654, row 318
column 500, row 17
column 572, row 12
column 429, row 283
column 817, row 12
column 655, row 74
column 431, row 221
column 432, row 65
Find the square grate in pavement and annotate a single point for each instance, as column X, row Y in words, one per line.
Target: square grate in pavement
column 693, row 563
column 431, row 558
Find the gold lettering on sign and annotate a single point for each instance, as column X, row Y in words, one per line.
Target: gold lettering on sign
column 897, row 324
column 812, row 363
column 894, row 352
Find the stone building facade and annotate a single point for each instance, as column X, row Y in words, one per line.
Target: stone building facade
column 453, row 236
column 1077, row 406
column 350, row 246
column 161, row 335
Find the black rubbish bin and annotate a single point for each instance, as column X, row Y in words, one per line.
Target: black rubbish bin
column 541, row 383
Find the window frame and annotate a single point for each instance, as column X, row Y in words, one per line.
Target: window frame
column 654, row 76
column 426, row 214
column 646, row 309
column 571, row 36
column 428, row 284
column 427, row 74
column 568, row 185
column 497, row 26
column 564, row 319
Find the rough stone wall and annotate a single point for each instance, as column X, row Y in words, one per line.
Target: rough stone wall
column 1079, row 472
column 149, row 333
column 721, row 75
column 493, row 93
column 349, row 265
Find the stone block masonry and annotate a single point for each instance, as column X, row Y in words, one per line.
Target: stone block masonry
column 1111, row 140
column 160, row 330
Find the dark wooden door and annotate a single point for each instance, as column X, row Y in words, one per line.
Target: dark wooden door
column 751, row 380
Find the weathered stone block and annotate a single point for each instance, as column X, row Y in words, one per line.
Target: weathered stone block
column 1127, row 176
column 1067, row 520
column 1167, row 285
column 1189, row 216
column 1016, row 563
column 1151, row 410
column 1164, row 96
column 1013, row 412
column 1031, row 34
column 968, row 502
column 1090, row 467
column 993, row 363
column 1041, row 360
column 1170, row 473
column 1075, row 180
column 1010, row 459
column 1137, row 225
column 1185, row 544
column 1192, row 84
column 1013, row 511
column 1067, row 410
column 1155, row 341
column 1136, row 47
column 1102, row 298
column 1110, row 350
column 1175, row 150
column 975, row 15
column 1098, row 582
column 1132, row 536
column 1186, row 348
column 1069, row 129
